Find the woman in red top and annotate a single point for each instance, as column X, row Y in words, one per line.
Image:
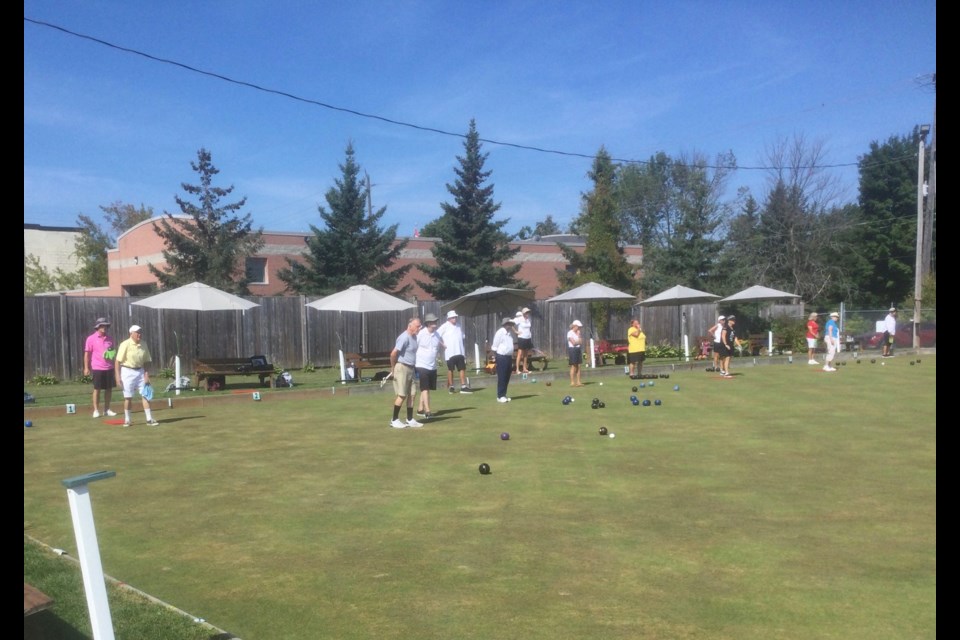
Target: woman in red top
column 813, row 330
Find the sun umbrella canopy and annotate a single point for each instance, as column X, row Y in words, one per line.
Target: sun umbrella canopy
column 679, row 295
column 758, row 293
column 486, row 300
column 360, row 299
column 197, row 296
column 592, row 292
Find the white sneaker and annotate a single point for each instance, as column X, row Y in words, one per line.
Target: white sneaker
column 153, row 423
column 812, row 362
column 503, row 400
column 414, row 424
column 96, row 414
column 829, row 368
column 398, row 424
column 127, row 423
column 111, row 412
column 466, row 390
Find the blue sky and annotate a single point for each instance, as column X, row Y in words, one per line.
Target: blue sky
column 104, row 125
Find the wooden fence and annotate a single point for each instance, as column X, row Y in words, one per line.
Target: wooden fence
column 290, row 334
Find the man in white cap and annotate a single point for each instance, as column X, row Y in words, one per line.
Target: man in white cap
column 453, row 352
column 889, row 332
column 502, row 346
column 831, row 338
column 524, row 340
column 428, row 345
column 131, row 374
column 98, row 353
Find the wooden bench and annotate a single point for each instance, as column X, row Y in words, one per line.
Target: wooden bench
column 536, row 356
column 615, row 349
column 758, row 342
column 217, row 369
column 373, row 360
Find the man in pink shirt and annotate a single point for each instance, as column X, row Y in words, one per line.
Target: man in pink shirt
column 98, row 354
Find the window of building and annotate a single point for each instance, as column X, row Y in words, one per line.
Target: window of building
column 257, row 270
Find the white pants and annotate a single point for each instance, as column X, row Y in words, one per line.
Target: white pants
column 831, row 349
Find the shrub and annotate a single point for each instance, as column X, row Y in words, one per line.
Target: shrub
column 167, row 373
column 43, row 379
column 85, row 379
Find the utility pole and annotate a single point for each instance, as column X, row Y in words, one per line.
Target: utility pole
column 930, row 206
column 918, row 267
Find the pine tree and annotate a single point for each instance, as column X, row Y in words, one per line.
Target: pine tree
column 473, row 246
column 602, row 259
column 212, row 246
column 351, row 248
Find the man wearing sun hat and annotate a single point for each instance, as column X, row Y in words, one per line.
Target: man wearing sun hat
column 453, row 352
column 831, row 338
column 502, row 346
column 428, row 346
column 98, row 353
column 132, row 376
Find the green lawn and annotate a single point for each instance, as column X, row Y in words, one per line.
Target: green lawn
column 787, row 503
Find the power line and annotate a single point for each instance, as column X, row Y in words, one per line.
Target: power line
column 385, row 119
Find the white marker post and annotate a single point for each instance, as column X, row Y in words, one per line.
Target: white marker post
column 176, row 372
column 93, row 583
column 593, row 355
column 769, row 343
column 686, row 347
column 476, row 357
column 343, row 369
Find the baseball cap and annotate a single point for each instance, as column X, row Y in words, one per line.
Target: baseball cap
column 508, row 321
column 721, row 318
column 526, row 310
column 892, row 310
column 731, row 317
column 451, row 314
column 576, row 323
column 101, row 322
column 135, row 329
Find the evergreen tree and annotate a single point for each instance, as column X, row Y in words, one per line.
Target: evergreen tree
column 212, row 246
column 351, row 248
column 602, row 259
column 883, row 248
column 473, row 246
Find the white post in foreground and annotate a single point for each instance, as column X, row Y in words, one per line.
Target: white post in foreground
column 476, row 357
column 176, row 371
column 593, row 355
column 686, row 347
column 93, row 583
column 343, row 368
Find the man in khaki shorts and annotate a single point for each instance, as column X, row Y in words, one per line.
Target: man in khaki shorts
column 403, row 360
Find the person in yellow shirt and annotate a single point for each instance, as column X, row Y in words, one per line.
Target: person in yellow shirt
column 132, row 358
column 636, row 348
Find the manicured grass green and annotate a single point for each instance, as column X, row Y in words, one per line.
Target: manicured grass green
column 786, row 503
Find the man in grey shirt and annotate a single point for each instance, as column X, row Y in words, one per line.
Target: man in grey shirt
column 403, row 359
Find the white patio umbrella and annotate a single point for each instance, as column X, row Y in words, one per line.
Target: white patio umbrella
column 361, row 299
column 487, row 300
column 679, row 295
column 593, row 292
column 759, row 293
column 198, row 297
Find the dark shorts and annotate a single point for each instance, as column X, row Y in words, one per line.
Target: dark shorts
column 723, row 350
column 525, row 343
column 428, row 379
column 636, row 357
column 575, row 355
column 887, row 338
column 104, row 378
column 716, row 347
column 457, row 363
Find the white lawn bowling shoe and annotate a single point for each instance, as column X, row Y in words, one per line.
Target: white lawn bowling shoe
column 397, row 424
column 812, row 362
column 127, row 423
column 503, row 400
column 111, row 412
column 414, row 424
column 153, row 423
column 96, row 414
